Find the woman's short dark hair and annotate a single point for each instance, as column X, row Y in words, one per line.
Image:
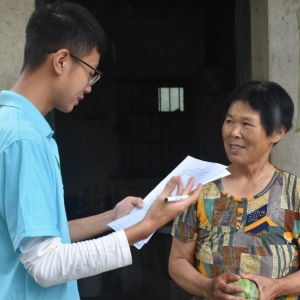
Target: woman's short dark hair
column 61, row 25
column 270, row 100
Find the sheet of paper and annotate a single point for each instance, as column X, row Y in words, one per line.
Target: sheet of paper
column 202, row 171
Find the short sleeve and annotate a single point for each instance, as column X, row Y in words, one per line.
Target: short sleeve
column 185, row 226
column 28, row 180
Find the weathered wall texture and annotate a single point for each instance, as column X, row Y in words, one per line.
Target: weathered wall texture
column 14, row 15
column 275, row 57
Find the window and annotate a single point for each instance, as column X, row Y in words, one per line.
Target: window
column 170, row 99
column 154, row 127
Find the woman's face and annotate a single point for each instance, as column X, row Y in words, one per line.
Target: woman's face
column 245, row 140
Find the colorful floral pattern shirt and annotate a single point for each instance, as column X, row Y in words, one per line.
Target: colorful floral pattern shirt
column 258, row 234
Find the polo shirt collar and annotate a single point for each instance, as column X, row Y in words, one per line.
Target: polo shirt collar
column 9, row 98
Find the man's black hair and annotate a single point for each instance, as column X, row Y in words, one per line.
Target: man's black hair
column 61, row 25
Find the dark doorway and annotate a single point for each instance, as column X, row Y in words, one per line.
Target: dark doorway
column 168, row 69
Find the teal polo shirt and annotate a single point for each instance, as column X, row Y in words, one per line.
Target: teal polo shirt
column 31, row 196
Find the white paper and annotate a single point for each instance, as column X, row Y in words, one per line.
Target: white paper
column 202, row 171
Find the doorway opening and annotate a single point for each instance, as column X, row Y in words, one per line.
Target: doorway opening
column 168, row 69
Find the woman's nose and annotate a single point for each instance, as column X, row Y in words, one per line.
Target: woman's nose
column 235, row 131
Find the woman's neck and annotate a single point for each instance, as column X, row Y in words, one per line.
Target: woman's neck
column 247, row 181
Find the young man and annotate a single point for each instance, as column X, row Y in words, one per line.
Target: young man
column 39, row 256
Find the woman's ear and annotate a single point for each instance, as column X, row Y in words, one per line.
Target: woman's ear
column 278, row 134
column 60, row 61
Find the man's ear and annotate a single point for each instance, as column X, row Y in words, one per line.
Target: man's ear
column 60, row 60
column 278, row 134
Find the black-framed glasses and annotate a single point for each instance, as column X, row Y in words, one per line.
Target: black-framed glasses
column 94, row 78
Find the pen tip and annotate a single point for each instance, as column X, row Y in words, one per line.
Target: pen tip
column 166, row 199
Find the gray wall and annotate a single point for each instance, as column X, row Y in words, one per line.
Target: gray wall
column 275, row 57
column 14, row 15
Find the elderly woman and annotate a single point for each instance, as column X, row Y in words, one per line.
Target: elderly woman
column 246, row 224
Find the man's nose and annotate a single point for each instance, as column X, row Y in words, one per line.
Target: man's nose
column 88, row 89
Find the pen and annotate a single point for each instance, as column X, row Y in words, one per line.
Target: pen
column 176, row 198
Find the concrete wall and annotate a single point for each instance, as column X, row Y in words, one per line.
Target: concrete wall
column 275, row 57
column 14, row 15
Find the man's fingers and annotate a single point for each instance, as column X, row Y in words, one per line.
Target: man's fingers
column 176, row 181
column 180, row 186
column 137, row 201
column 195, row 194
column 170, row 186
column 189, row 186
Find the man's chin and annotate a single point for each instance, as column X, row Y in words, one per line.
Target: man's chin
column 65, row 110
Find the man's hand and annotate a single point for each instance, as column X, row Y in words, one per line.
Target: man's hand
column 161, row 212
column 125, row 206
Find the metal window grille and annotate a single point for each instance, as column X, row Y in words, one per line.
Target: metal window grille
column 153, row 140
column 170, row 99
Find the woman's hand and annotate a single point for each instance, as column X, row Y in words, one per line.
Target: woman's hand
column 219, row 288
column 267, row 286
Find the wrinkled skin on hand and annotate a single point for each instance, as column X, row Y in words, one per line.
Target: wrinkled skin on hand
column 220, row 287
column 267, row 286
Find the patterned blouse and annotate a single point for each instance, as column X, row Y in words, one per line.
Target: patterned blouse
column 258, row 234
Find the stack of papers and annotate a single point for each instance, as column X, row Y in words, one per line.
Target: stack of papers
column 202, row 171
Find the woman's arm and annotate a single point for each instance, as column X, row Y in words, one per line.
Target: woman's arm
column 183, row 272
column 181, row 267
column 273, row 288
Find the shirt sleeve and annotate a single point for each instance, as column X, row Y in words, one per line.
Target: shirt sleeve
column 50, row 262
column 185, row 226
column 30, row 206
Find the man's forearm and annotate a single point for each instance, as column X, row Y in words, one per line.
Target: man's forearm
column 139, row 231
column 81, row 229
column 50, row 262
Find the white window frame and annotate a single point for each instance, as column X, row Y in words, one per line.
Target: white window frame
column 170, row 99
